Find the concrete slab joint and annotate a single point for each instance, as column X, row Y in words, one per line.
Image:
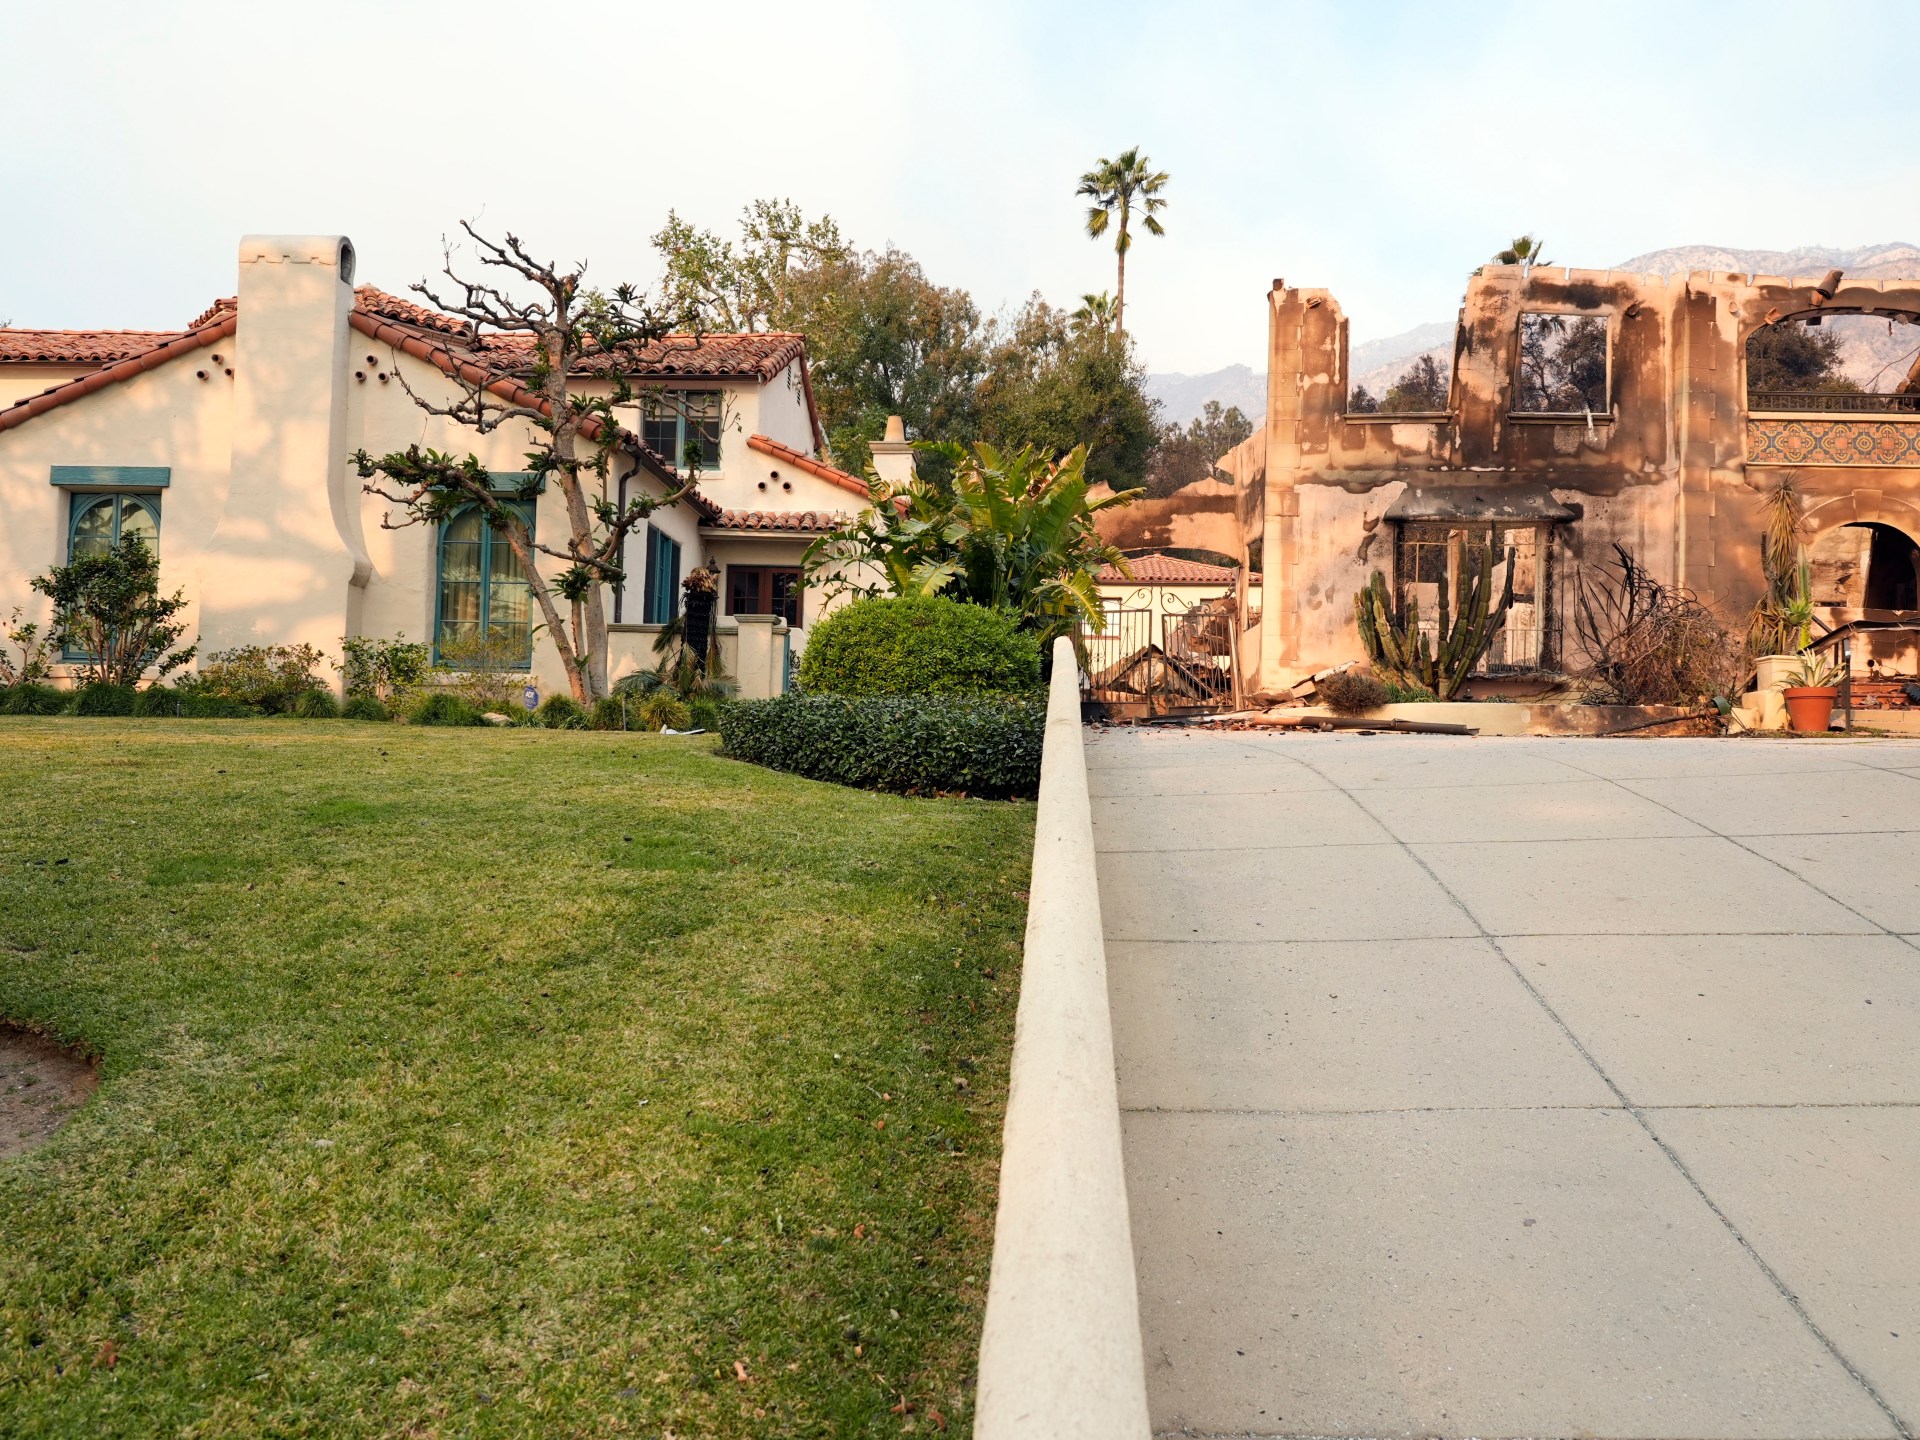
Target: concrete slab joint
column 1060, row 1355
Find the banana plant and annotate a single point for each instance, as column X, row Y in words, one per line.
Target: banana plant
column 1401, row 650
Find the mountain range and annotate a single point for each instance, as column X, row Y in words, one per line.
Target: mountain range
column 1871, row 351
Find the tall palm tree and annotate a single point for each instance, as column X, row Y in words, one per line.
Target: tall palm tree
column 1116, row 187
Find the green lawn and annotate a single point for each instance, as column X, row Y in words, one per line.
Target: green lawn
column 496, row 1083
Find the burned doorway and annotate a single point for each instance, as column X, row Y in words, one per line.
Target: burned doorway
column 1865, row 566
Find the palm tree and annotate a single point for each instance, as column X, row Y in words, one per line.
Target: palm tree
column 1116, row 186
column 1524, row 251
column 1095, row 313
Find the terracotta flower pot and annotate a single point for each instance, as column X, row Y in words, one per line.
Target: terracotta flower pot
column 1810, row 707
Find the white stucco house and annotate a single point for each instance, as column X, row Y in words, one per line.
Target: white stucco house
column 228, row 445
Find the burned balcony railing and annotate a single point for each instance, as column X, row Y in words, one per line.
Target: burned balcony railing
column 1833, row 402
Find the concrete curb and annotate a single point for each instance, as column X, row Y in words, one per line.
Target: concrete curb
column 1061, row 1356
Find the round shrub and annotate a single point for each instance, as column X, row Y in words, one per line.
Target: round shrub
column 930, row 646
column 613, row 713
column 363, row 707
column 438, row 707
column 158, row 702
column 316, row 705
column 104, row 698
column 704, row 711
column 1347, row 692
column 198, row 705
column 561, row 712
column 33, row 699
column 664, row 710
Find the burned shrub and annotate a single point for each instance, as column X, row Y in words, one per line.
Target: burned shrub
column 1352, row 692
column 1647, row 643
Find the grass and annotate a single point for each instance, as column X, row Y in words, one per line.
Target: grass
column 496, row 1083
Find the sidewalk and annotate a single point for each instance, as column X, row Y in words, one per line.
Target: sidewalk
column 1518, row 1087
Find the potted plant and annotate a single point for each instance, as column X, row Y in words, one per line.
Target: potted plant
column 1810, row 691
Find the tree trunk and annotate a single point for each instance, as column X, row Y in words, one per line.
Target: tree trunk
column 1120, row 289
column 699, row 623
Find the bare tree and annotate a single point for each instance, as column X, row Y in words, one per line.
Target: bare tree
column 563, row 329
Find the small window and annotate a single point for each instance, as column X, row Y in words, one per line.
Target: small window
column 1563, row 365
column 683, row 427
column 96, row 523
column 764, row 590
column 660, row 604
column 483, row 589
column 1432, row 551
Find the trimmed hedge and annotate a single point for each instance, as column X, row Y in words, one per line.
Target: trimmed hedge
column 443, row 707
column 916, row 744
column 918, row 646
column 31, row 698
column 103, row 698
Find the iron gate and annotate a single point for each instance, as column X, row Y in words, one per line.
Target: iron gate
column 1148, row 663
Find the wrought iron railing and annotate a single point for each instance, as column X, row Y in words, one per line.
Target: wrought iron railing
column 1833, row 402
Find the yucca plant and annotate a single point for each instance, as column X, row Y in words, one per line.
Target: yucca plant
column 1782, row 622
column 1402, row 651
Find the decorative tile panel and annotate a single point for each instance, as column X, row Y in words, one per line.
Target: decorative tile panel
column 1837, row 441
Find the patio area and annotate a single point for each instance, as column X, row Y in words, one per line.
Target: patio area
column 1506, row 1087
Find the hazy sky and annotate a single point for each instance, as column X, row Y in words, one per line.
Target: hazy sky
column 1381, row 150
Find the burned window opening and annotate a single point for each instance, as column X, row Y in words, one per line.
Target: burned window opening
column 1428, row 551
column 1841, row 363
column 1563, row 365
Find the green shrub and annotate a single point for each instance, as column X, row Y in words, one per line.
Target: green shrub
column 561, row 712
column 921, row 646
column 385, row 670
column 441, row 707
column 197, row 706
column 103, row 697
column 32, row 698
column 317, row 705
column 664, row 710
column 615, row 712
column 704, row 711
column 157, row 702
column 363, row 707
column 919, row 745
column 271, row 678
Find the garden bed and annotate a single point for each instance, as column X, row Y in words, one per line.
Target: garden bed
column 497, row 1082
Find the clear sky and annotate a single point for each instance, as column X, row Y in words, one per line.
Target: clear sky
column 1381, row 150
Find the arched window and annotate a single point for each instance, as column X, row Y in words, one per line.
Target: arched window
column 483, row 590
column 99, row 522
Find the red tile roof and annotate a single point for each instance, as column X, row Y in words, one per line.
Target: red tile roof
column 810, row 522
column 170, row 347
column 1159, row 569
column 78, row 347
column 787, row 455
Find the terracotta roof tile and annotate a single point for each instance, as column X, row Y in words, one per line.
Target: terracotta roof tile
column 1159, row 569
column 819, row 468
column 78, row 347
column 810, row 522
column 171, row 347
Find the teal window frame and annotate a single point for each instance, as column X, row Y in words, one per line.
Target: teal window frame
column 664, row 422
column 660, row 601
column 79, row 504
column 489, row 538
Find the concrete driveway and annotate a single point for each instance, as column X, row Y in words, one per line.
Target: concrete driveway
column 1518, row 1087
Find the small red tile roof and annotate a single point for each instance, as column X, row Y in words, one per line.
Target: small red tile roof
column 809, row 522
column 170, row 347
column 1159, row 569
column 787, row 455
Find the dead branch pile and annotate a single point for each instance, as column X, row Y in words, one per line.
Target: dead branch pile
column 1647, row 643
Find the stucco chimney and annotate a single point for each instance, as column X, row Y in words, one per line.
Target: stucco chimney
column 893, row 456
column 287, row 549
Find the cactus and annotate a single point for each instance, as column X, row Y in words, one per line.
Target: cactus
column 1399, row 650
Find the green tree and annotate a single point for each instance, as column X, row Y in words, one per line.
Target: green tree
column 1095, row 313
column 1117, row 187
column 107, row 606
column 1180, row 457
column 1795, row 357
column 1049, row 388
column 1525, row 250
column 1422, row 386
column 1013, row 530
column 722, row 285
